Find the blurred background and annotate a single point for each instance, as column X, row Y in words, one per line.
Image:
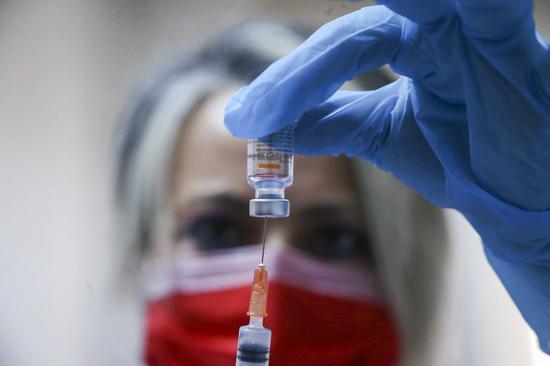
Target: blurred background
column 66, row 70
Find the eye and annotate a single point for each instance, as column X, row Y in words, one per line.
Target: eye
column 334, row 241
column 216, row 231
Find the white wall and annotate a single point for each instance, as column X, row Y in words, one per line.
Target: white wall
column 50, row 188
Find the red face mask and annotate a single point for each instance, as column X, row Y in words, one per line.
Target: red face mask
column 319, row 313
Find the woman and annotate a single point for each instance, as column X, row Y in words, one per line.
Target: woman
column 351, row 276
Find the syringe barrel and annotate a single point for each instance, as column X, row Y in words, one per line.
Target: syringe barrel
column 254, row 343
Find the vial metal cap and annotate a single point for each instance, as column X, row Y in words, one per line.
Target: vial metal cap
column 269, row 207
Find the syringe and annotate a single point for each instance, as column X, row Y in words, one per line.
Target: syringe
column 254, row 338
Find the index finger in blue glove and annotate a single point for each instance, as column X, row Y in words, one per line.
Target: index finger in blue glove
column 358, row 42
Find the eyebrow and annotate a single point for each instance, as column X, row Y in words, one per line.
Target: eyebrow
column 226, row 200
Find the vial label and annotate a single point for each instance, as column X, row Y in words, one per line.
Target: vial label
column 271, row 156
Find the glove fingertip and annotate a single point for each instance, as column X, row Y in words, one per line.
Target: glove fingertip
column 247, row 115
column 235, row 113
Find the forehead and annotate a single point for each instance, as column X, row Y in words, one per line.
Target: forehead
column 209, row 161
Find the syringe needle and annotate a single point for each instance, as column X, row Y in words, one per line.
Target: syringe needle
column 263, row 240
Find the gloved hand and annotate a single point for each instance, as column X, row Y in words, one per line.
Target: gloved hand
column 467, row 126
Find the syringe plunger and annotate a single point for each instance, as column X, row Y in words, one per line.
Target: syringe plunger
column 254, row 342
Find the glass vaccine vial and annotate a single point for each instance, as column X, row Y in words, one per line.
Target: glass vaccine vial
column 270, row 163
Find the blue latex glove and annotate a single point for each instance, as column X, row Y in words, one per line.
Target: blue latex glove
column 467, row 126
